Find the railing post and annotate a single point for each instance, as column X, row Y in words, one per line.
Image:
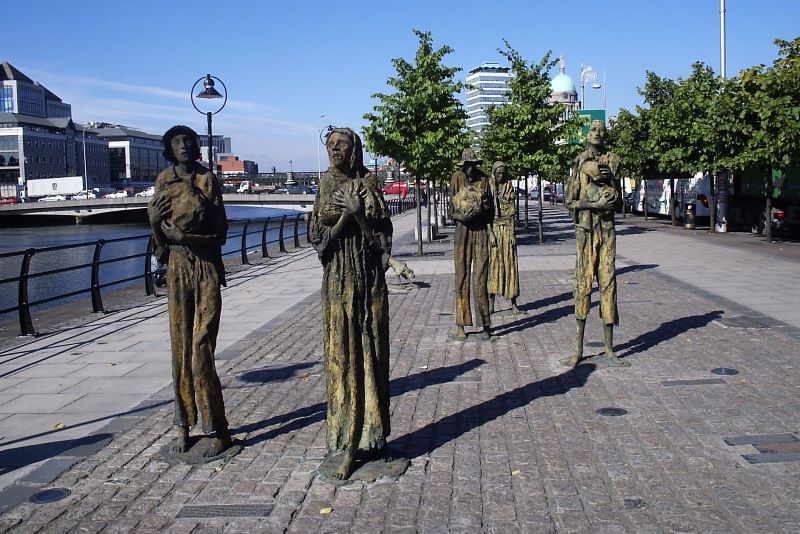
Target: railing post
column 149, row 287
column 97, row 298
column 245, row 261
column 308, row 228
column 264, row 251
column 296, row 235
column 25, row 321
column 280, row 235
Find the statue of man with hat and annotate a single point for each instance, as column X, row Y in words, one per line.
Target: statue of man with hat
column 472, row 211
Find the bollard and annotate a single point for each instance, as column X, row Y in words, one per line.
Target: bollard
column 25, row 321
column 280, row 234
column 245, row 261
column 264, row 251
column 296, row 235
column 97, row 298
column 149, row 287
column 690, row 216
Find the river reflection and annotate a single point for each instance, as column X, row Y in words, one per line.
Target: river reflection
column 18, row 239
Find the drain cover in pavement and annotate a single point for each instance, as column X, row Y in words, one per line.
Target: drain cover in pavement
column 725, row 371
column 612, row 412
column 742, row 321
column 49, row 495
column 226, row 510
column 696, row 382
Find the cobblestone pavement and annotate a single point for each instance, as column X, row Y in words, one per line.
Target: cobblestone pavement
column 501, row 437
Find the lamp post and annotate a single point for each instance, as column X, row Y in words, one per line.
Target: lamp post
column 209, row 93
column 319, row 163
column 588, row 74
column 85, row 172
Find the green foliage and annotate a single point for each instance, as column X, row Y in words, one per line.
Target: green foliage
column 529, row 133
column 421, row 124
column 702, row 123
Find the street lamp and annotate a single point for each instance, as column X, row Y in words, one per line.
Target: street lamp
column 319, row 164
column 588, row 74
column 209, row 93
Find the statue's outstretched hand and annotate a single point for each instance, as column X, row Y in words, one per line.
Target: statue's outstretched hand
column 159, row 210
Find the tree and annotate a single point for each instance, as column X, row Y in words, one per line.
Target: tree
column 421, row 124
column 761, row 129
column 526, row 131
column 529, row 133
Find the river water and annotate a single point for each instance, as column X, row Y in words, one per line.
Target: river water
column 19, row 239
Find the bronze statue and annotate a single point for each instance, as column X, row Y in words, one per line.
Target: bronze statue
column 189, row 227
column 503, row 261
column 472, row 212
column 351, row 230
column 592, row 192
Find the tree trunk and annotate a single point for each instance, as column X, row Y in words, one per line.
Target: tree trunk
column 541, row 228
column 430, row 211
column 712, row 204
column 672, row 201
column 644, row 187
column 526, row 202
column 435, row 212
column 768, row 211
column 419, row 217
column 622, row 187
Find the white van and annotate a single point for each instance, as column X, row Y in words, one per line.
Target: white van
column 696, row 189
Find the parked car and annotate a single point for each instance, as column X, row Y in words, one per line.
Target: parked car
column 396, row 188
column 117, row 194
column 533, row 194
column 53, row 198
column 9, row 200
column 300, row 190
column 149, row 192
column 84, row 195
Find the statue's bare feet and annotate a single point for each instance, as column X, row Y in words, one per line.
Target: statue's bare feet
column 218, row 445
column 574, row 361
column 515, row 310
column 485, row 334
column 345, row 468
column 616, row 362
column 460, row 335
column 181, row 444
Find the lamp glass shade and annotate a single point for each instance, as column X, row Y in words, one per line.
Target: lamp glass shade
column 208, row 89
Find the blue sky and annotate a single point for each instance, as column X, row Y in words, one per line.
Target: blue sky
column 287, row 63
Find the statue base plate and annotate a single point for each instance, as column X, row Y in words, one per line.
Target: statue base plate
column 194, row 455
column 364, row 472
column 599, row 361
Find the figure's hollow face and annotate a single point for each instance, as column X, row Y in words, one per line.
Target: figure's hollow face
column 183, row 148
column 340, row 150
column 472, row 169
column 500, row 173
column 597, row 134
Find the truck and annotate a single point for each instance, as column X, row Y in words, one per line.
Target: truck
column 696, row 189
column 249, row 186
column 64, row 185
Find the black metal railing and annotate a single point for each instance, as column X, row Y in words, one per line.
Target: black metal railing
column 235, row 235
column 239, row 232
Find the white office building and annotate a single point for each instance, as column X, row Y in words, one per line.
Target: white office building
column 488, row 87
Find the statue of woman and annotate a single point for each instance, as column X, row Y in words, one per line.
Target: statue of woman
column 351, row 231
column 503, row 261
column 189, row 227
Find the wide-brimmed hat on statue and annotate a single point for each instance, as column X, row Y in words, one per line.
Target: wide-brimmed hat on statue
column 469, row 156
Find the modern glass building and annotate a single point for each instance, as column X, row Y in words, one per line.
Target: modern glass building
column 488, row 87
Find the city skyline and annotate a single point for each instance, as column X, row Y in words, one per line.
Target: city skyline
column 286, row 65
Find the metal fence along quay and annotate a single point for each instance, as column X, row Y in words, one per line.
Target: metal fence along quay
column 249, row 236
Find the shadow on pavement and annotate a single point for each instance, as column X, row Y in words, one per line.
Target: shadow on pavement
column 666, row 331
column 529, row 322
column 16, row 458
column 633, row 230
column 634, row 268
column 432, row 436
column 312, row 414
column 273, row 374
